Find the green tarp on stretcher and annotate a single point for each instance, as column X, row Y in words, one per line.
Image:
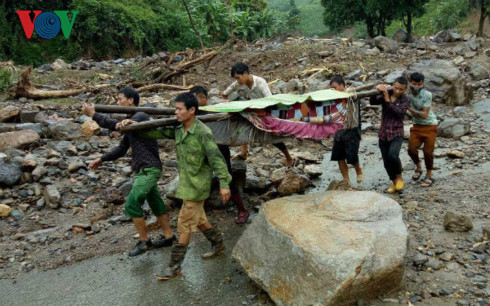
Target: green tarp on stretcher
column 277, row 100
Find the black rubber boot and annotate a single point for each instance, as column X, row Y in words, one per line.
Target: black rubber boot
column 217, row 244
column 174, row 268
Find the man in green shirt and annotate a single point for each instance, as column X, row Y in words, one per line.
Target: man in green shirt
column 424, row 130
column 197, row 157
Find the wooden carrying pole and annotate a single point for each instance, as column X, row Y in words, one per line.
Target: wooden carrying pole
column 146, row 125
column 172, row 121
column 131, row 110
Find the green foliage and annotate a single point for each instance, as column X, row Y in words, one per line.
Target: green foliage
column 310, row 16
column 5, row 78
column 439, row 15
column 114, row 28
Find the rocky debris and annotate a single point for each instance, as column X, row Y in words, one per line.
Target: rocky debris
column 52, row 196
column 385, row 44
column 5, row 210
column 65, row 130
column 457, row 222
column 330, row 239
column 447, row 36
column 444, row 80
column 18, row 139
column 90, row 128
column 8, row 113
column 453, row 128
column 9, row 173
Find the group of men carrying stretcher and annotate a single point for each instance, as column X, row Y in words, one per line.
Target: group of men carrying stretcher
column 198, row 155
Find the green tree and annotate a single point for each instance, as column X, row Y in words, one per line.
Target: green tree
column 409, row 10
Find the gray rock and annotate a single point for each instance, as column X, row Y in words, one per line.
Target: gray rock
column 444, row 80
column 457, row 222
column 453, row 128
column 75, row 165
column 447, row 36
column 390, row 78
column 125, row 188
column 38, row 173
column 400, row 35
column 313, row 171
column 354, row 74
column 479, row 70
column 9, row 173
column 420, row 260
column 294, row 85
column 64, row 147
column 17, row 214
column 59, row 64
column 65, row 130
column 329, row 248
column 52, row 196
column 36, row 127
column 385, row 44
column 373, row 52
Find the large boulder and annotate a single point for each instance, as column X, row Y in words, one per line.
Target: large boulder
column 385, row 44
column 444, row 80
column 330, row 248
column 17, row 139
column 453, row 128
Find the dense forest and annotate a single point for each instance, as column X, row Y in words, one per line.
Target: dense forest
column 108, row 28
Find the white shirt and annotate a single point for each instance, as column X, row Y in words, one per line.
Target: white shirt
column 259, row 89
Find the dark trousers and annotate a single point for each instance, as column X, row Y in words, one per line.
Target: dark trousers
column 235, row 193
column 390, row 151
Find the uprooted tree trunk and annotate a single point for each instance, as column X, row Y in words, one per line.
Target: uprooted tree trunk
column 182, row 66
column 26, row 89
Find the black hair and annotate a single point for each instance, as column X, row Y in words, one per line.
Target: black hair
column 239, row 68
column 337, row 79
column 199, row 90
column 129, row 93
column 401, row 80
column 417, row 77
column 189, row 100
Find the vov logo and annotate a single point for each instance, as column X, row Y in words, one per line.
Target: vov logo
column 47, row 24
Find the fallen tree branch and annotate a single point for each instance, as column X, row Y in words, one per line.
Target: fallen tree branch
column 163, row 86
column 182, row 66
column 26, row 89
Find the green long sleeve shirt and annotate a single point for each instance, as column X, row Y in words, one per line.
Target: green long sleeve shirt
column 197, row 157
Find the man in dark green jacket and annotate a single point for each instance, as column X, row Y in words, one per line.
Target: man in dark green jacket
column 197, row 157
